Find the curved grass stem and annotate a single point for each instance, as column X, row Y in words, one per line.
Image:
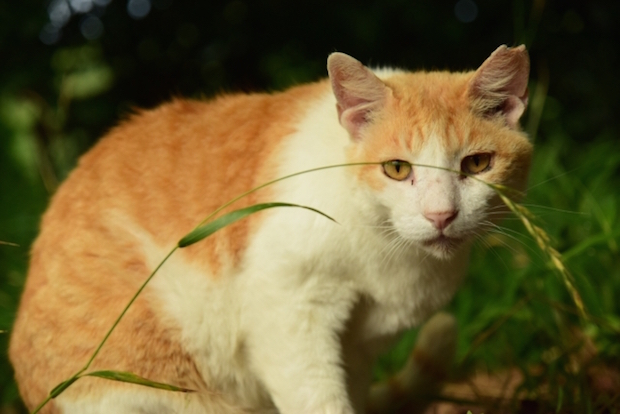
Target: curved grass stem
column 539, row 235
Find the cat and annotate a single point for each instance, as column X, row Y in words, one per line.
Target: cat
column 284, row 311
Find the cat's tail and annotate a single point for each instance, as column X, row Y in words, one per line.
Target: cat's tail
column 425, row 371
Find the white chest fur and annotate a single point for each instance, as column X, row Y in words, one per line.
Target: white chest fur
column 305, row 281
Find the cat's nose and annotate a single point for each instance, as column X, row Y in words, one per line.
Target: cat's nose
column 441, row 219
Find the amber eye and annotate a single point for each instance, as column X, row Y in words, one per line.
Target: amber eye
column 475, row 164
column 397, row 169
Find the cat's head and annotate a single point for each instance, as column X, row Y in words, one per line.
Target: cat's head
column 438, row 135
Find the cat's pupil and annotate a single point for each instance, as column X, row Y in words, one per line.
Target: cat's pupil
column 476, row 160
column 397, row 166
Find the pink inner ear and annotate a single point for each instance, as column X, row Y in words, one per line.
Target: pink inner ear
column 499, row 86
column 355, row 117
column 357, row 90
column 513, row 109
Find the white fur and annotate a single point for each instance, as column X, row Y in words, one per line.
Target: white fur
column 312, row 295
column 300, row 321
column 137, row 399
column 436, row 190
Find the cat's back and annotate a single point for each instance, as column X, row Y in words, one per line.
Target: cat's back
column 184, row 159
column 146, row 184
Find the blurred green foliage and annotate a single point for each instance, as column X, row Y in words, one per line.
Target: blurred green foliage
column 67, row 78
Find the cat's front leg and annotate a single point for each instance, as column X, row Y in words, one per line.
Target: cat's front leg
column 294, row 345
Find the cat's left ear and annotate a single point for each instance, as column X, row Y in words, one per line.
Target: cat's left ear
column 499, row 86
column 358, row 91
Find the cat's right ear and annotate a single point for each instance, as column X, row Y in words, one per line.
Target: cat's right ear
column 358, row 91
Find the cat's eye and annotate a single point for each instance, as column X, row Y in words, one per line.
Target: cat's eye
column 397, row 169
column 475, row 164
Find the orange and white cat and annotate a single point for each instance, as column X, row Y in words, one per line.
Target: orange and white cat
column 284, row 311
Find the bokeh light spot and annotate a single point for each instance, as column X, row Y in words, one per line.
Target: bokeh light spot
column 59, row 12
column 49, row 34
column 138, row 9
column 91, row 27
column 81, row 6
column 466, row 11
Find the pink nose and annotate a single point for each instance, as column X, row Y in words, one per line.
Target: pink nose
column 441, row 219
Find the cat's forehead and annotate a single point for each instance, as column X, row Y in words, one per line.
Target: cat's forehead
column 433, row 109
column 429, row 115
column 430, row 90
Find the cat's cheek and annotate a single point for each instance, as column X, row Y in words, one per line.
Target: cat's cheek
column 480, row 210
column 413, row 228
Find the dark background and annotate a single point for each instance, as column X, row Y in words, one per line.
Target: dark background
column 70, row 69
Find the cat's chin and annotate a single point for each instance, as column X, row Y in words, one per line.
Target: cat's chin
column 442, row 246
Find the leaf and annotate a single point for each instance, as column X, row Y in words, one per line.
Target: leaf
column 591, row 241
column 58, row 389
column 135, row 379
column 208, row 229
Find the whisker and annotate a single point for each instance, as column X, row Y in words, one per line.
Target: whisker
column 501, row 214
column 552, row 178
column 404, row 247
column 394, row 252
column 407, row 247
column 481, row 236
column 388, row 251
column 391, row 248
column 494, row 226
column 491, row 248
column 554, row 209
column 426, row 256
column 494, row 251
column 507, row 233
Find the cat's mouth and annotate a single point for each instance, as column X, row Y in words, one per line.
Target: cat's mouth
column 442, row 244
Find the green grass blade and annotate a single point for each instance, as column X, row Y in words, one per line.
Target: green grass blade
column 62, row 386
column 135, row 379
column 560, row 400
column 6, row 243
column 211, row 227
column 588, row 243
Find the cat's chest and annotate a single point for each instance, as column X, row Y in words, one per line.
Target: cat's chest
column 400, row 287
column 405, row 294
column 400, row 284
